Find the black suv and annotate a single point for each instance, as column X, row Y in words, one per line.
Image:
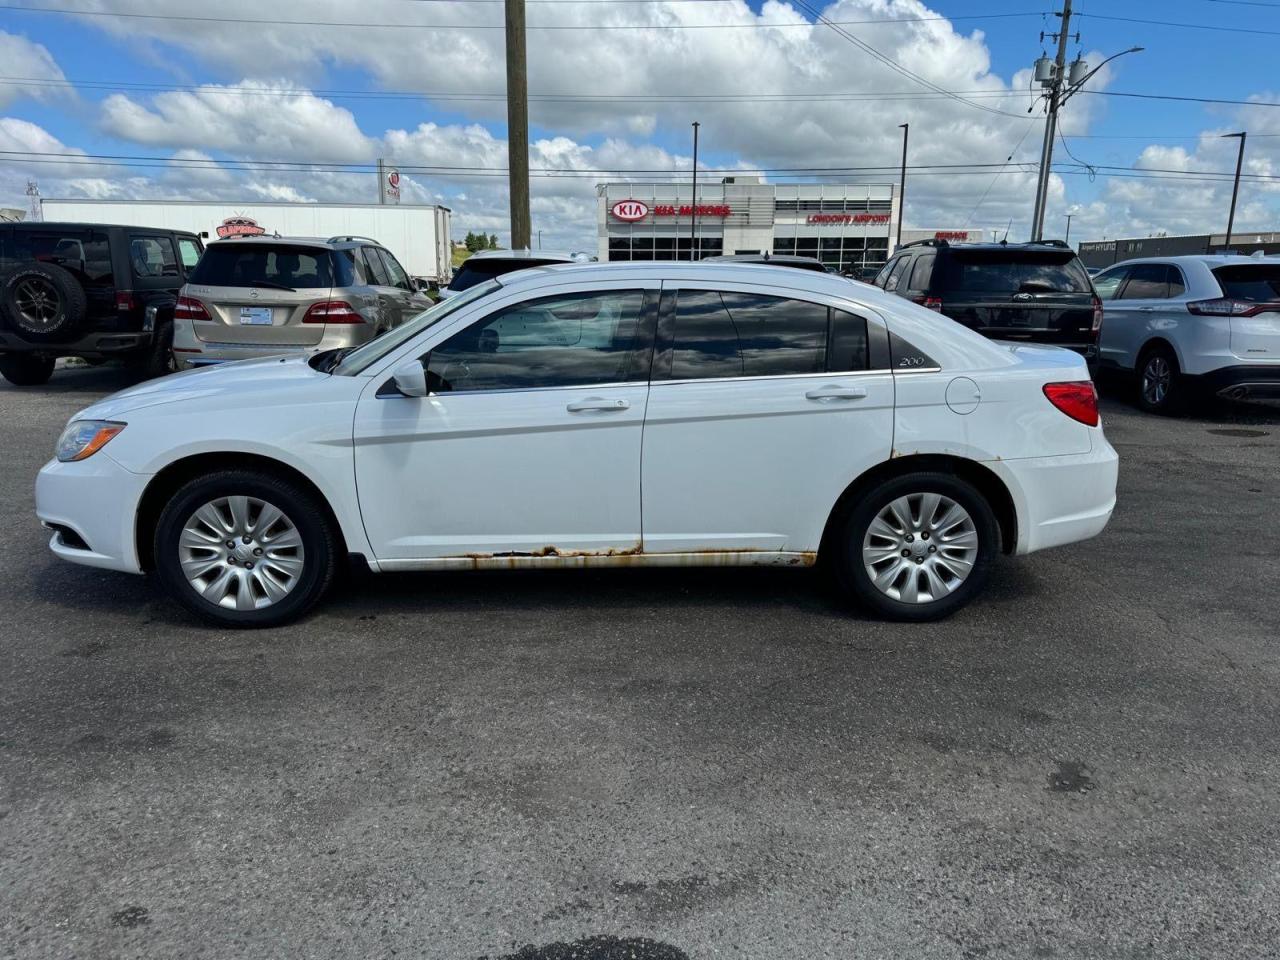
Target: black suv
column 89, row 290
column 1038, row 292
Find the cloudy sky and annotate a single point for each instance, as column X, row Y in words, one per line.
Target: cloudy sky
column 242, row 100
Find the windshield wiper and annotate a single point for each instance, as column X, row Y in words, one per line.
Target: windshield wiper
column 326, row 361
column 272, row 284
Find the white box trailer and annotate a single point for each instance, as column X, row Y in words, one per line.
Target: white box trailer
column 417, row 234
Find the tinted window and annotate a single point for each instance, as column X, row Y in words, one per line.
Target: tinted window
column 1147, row 281
column 883, row 275
column 477, row 270
column 1009, row 273
column 373, row 267
column 189, row 251
column 153, row 257
column 572, row 340
column 396, row 272
column 891, row 282
column 246, row 264
column 1108, row 283
column 1259, row 283
column 745, row 334
column 1177, row 286
column 85, row 254
column 922, row 272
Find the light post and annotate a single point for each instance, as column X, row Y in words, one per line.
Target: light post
column 693, row 207
column 1235, row 188
column 1067, row 238
column 902, row 184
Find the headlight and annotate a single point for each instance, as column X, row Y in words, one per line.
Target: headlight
column 84, row 438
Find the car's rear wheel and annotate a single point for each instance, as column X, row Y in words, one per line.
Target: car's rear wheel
column 916, row 547
column 26, row 369
column 1161, row 386
column 245, row 549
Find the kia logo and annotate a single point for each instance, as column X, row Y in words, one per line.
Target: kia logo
column 630, row 210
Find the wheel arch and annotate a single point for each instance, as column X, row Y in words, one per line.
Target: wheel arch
column 170, row 479
column 1153, row 343
column 987, row 482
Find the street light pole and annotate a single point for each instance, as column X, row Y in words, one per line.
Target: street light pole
column 1235, row 187
column 693, row 207
column 902, row 183
column 1067, row 238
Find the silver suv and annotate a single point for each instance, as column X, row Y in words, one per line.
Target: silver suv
column 1187, row 323
column 265, row 296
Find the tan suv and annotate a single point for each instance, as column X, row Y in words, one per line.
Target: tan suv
column 266, row 296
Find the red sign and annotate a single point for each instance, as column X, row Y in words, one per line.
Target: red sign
column 848, row 218
column 951, row 235
column 630, row 210
column 684, row 210
column 239, row 227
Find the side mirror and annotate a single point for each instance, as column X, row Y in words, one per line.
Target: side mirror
column 411, row 379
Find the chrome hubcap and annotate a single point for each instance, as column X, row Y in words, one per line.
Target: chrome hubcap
column 920, row 548
column 1156, row 377
column 241, row 553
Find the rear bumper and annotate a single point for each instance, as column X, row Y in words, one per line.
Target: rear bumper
column 190, row 351
column 1246, row 380
column 1062, row 500
column 105, row 342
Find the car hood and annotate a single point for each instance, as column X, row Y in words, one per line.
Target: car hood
column 205, row 384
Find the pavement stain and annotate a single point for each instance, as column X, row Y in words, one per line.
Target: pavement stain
column 130, row 917
column 1072, row 776
column 683, row 894
column 599, row 947
column 87, row 650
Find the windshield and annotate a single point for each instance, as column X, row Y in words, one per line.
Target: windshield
column 357, row 360
column 279, row 266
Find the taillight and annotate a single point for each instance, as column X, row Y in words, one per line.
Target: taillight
column 1097, row 315
column 332, row 311
column 125, row 301
column 188, row 309
column 1226, row 307
column 929, row 303
column 1077, row 399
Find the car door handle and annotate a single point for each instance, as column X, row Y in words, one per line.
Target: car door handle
column 1147, row 309
column 833, row 392
column 600, row 404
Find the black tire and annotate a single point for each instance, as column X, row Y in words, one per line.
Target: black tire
column 43, row 303
column 157, row 359
column 850, row 532
column 26, row 369
column 1161, row 387
column 319, row 542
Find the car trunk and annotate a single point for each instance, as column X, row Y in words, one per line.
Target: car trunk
column 258, row 293
column 1043, row 296
column 1255, row 334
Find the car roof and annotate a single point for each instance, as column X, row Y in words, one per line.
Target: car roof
column 85, row 225
column 330, row 243
column 523, row 255
column 782, row 259
column 1210, row 260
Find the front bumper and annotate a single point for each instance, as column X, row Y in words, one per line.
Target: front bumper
column 1246, row 380
column 1062, row 500
column 91, row 506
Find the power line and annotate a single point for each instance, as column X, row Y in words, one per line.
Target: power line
column 1166, row 96
column 1186, row 26
column 364, row 24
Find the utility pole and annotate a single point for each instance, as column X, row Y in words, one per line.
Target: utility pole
column 902, row 186
column 382, row 182
column 518, row 126
column 1235, row 189
column 1067, row 238
column 693, row 207
column 1051, row 122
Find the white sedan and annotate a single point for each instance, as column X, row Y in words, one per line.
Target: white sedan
column 598, row 415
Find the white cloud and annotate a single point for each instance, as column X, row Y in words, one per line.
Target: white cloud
column 29, row 61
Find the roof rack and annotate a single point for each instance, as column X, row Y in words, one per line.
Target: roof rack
column 930, row 242
column 1053, row 243
column 352, row 237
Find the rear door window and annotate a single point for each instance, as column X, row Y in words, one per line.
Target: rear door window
column 1256, row 283
column 1147, row 281
column 396, row 272
column 374, row 268
column 270, row 265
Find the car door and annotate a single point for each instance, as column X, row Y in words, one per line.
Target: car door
column 529, row 441
column 378, row 280
column 1138, row 307
column 406, row 300
column 1114, row 338
column 762, row 409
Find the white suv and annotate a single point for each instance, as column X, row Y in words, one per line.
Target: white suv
column 1196, row 322
column 784, row 417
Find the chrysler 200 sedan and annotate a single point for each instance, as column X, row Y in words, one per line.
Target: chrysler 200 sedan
column 598, row 415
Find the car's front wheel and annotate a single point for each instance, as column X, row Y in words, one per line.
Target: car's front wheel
column 1161, row 386
column 916, row 547
column 245, row 549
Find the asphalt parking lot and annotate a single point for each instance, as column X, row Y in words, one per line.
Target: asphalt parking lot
column 662, row 764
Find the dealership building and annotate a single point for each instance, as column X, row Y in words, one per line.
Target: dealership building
column 847, row 226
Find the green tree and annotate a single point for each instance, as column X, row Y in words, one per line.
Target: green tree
column 474, row 241
column 493, row 241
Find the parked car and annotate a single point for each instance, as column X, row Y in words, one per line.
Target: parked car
column 1037, row 292
column 781, row 260
column 487, row 264
column 786, row 417
column 265, row 296
column 1192, row 324
column 88, row 290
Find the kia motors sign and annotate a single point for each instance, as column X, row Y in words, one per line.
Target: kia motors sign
column 630, row 210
